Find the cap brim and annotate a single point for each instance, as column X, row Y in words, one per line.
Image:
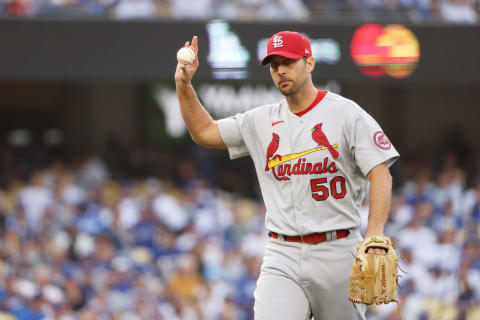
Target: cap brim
column 285, row 54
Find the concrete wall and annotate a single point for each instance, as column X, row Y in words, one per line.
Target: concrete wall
column 414, row 118
column 422, row 117
column 100, row 111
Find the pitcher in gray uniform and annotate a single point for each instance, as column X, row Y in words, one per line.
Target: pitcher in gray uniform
column 314, row 153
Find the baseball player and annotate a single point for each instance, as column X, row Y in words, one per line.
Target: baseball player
column 313, row 152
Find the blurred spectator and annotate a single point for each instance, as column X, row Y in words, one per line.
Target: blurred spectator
column 283, row 10
column 135, row 9
column 19, row 7
column 391, row 11
column 92, row 173
column 458, row 11
column 186, row 9
column 35, row 201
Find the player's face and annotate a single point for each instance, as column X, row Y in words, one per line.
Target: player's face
column 289, row 75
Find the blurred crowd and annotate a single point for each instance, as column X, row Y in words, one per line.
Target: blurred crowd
column 76, row 244
column 79, row 243
column 435, row 219
column 402, row 11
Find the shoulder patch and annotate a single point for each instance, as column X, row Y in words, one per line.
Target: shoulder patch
column 381, row 140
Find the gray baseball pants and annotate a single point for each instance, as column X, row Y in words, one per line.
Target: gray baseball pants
column 301, row 280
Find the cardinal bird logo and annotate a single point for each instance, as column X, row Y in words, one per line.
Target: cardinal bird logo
column 272, row 148
column 321, row 139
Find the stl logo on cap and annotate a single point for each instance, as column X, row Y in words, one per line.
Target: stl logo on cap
column 277, row 41
column 288, row 44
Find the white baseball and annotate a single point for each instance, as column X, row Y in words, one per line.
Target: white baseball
column 186, row 55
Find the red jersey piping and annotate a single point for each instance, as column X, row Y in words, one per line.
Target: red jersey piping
column 318, row 98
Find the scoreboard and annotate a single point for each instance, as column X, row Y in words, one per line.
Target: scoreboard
column 145, row 51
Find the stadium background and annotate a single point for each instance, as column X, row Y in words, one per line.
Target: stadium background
column 109, row 211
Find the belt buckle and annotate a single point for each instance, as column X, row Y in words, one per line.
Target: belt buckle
column 328, row 236
column 331, row 235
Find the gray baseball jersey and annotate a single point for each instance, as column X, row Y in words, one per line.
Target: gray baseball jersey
column 311, row 166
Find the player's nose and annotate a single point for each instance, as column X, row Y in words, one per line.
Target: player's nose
column 282, row 70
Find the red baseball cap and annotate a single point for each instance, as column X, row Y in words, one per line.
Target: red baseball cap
column 287, row 44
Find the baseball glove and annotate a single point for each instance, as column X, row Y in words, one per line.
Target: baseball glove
column 374, row 277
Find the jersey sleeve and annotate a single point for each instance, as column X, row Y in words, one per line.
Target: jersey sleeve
column 371, row 145
column 231, row 132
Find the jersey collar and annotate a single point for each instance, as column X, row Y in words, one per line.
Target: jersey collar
column 320, row 95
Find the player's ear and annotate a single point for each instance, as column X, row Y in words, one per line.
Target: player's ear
column 310, row 64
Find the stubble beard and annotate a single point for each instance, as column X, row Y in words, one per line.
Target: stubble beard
column 291, row 90
column 288, row 91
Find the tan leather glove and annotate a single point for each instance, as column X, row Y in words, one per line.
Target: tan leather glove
column 374, row 277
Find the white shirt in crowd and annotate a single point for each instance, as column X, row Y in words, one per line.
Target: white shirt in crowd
column 35, row 201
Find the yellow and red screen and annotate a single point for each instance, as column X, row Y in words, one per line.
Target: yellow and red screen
column 391, row 50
